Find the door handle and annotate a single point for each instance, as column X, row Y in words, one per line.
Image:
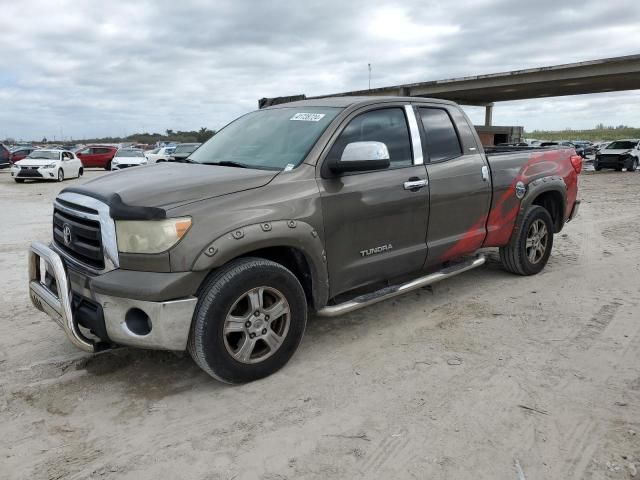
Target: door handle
column 415, row 184
column 485, row 173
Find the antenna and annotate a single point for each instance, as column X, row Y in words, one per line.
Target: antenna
column 369, row 65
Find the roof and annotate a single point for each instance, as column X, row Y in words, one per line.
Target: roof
column 348, row 101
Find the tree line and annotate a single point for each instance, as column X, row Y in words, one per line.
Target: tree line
column 601, row 132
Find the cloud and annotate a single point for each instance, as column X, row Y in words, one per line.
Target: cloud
column 86, row 68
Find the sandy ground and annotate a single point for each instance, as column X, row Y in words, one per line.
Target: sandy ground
column 484, row 376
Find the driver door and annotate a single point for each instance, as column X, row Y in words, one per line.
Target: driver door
column 375, row 225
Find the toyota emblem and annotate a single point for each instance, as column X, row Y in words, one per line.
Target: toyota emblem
column 66, row 234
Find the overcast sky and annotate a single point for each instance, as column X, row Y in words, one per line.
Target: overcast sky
column 96, row 68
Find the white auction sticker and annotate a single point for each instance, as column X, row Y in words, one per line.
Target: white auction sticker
column 308, row 117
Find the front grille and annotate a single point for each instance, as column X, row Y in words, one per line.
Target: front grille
column 31, row 172
column 83, row 239
column 609, row 158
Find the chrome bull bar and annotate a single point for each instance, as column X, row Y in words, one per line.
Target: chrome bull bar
column 55, row 304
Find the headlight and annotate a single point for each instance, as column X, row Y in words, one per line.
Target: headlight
column 50, row 165
column 150, row 236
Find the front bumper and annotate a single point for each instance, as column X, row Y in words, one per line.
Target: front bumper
column 162, row 325
column 122, row 166
column 34, row 173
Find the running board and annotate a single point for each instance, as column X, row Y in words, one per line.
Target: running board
column 395, row 290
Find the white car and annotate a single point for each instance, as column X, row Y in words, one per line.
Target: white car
column 618, row 155
column 128, row 157
column 47, row 164
column 161, row 154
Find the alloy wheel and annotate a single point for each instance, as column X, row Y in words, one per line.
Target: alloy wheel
column 537, row 240
column 257, row 325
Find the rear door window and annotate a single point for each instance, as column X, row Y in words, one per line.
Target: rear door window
column 441, row 136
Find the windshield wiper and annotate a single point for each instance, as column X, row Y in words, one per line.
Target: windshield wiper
column 229, row 163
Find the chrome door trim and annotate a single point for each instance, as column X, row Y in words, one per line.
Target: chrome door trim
column 416, row 143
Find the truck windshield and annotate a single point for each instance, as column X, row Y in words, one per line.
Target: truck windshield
column 272, row 139
column 621, row 145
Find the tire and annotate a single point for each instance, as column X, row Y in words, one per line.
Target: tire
column 228, row 291
column 597, row 167
column 618, row 169
column 516, row 256
column 60, row 175
column 634, row 165
column 107, row 167
column 19, row 180
column 80, row 172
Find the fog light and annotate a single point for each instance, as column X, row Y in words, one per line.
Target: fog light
column 138, row 322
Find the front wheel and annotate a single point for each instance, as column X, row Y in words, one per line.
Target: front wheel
column 249, row 320
column 530, row 247
column 19, row 180
column 80, row 172
column 107, row 167
column 60, row 175
column 634, row 165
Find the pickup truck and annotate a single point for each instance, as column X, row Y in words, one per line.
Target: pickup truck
column 319, row 206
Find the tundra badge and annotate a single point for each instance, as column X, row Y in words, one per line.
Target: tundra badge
column 373, row 251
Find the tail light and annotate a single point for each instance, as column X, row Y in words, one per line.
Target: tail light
column 576, row 162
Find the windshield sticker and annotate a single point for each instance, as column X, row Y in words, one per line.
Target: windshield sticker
column 308, row 117
column 290, row 166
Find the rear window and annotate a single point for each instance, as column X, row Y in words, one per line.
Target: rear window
column 441, row 136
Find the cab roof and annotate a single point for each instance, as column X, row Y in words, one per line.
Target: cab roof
column 349, row 101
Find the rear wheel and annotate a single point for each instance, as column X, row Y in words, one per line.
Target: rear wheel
column 60, row 175
column 19, row 180
column 80, row 172
column 530, row 247
column 249, row 320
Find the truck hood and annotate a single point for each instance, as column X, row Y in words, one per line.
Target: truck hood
column 168, row 185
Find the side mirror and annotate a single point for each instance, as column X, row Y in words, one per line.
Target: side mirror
column 362, row 156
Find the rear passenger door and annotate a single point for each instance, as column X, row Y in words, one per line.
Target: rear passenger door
column 375, row 223
column 459, row 183
column 87, row 157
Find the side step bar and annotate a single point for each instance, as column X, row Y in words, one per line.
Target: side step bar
column 395, row 290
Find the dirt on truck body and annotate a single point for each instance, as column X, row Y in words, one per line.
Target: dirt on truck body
column 325, row 205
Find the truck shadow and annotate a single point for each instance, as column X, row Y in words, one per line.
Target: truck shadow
column 154, row 375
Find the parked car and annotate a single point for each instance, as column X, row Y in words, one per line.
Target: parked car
column 587, row 147
column 161, row 154
column 601, row 146
column 182, row 151
column 128, row 157
column 5, row 157
column 564, row 143
column 99, row 156
column 308, row 205
column 19, row 153
column 47, row 164
column 618, row 155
